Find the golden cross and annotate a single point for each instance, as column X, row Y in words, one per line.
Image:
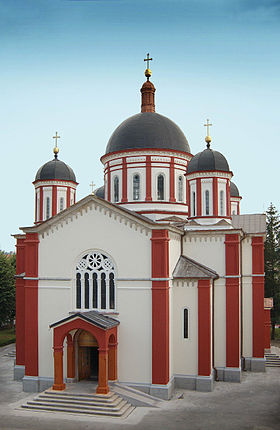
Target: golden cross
column 91, row 186
column 207, row 125
column 148, row 59
column 56, row 137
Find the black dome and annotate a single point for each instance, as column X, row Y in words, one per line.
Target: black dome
column 208, row 160
column 233, row 190
column 100, row 192
column 147, row 130
column 55, row 169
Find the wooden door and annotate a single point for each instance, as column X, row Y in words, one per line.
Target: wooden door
column 84, row 363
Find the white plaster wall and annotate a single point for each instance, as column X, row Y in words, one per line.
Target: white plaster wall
column 156, row 171
column 177, row 174
column 38, row 203
column 116, row 173
column 174, row 251
column 72, row 196
column 47, row 192
column 222, row 187
column 219, row 323
column 234, row 207
column 171, row 328
column 141, row 171
column 206, row 185
column 193, row 190
column 208, row 249
column 61, row 193
column 185, row 358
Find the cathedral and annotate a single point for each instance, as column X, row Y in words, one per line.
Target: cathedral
column 155, row 280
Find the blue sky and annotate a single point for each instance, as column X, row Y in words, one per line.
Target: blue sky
column 76, row 66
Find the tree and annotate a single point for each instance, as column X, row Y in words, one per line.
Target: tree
column 7, row 288
column 272, row 263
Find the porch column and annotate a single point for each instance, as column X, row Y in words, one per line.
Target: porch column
column 58, row 368
column 103, row 372
column 112, row 368
column 70, row 358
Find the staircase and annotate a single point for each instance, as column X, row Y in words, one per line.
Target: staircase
column 272, row 360
column 110, row 405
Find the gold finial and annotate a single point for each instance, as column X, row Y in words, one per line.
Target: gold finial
column 55, row 149
column 208, row 138
column 92, row 185
column 148, row 72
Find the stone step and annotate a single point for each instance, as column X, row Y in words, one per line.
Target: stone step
column 78, row 397
column 78, row 401
column 123, row 412
column 81, row 406
column 69, row 393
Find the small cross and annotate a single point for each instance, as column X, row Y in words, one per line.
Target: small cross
column 207, row 125
column 148, row 59
column 56, row 137
column 92, row 185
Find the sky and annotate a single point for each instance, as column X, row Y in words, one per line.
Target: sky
column 76, row 67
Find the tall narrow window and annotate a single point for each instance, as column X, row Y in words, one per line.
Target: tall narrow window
column 206, row 202
column 222, row 203
column 78, row 291
column 193, row 203
column 116, row 189
column 112, row 291
column 136, row 187
column 94, row 291
column 160, row 187
column 86, row 290
column 186, row 323
column 180, row 188
column 61, row 204
column 47, row 207
column 103, row 291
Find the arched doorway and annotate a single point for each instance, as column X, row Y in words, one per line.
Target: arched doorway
column 88, row 356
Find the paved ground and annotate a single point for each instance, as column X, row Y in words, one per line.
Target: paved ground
column 253, row 404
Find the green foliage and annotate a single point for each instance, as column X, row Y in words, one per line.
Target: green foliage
column 7, row 288
column 7, row 336
column 272, row 263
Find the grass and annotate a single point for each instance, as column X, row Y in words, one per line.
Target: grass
column 7, row 336
column 277, row 333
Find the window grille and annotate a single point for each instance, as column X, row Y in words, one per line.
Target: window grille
column 47, row 207
column 95, row 282
column 186, row 323
column 206, row 202
column 61, row 204
column 180, row 188
column 116, row 189
column 222, row 203
column 136, row 187
column 193, row 203
column 160, row 187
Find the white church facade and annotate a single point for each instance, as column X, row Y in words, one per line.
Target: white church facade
column 156, row 280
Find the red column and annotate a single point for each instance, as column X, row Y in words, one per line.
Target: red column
column 58, row 368
column 215, row 197
column 172, row 181
column 54, row 200
column 124, row 180
column 41, row 204
column 228, row 198
column 31, row 304
column 108, row 183
column 20, row 303
column 204, row 327
column 148, row 179
column 267, row 328
column 68, row 197
column 112, row 357
column 258, row 296
column 103, row 372
column 198, row 198
column 232, row 300
column 160, row 307
column 70, row 357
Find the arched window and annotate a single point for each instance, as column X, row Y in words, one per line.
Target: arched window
column 207, row 202
column 61, row 204
column 116, row 189
column 95, row 282
column 180, row 188
column 193, row 203
column 222, row 203
column 160, row 187
column 186, row 323
column 47, row 207
column 136, row 187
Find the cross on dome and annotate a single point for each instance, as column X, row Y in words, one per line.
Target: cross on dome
column 92, row 185
column 148, row 72
column 56, row 150
column 208, row 138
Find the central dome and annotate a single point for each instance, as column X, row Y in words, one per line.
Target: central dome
column 147, row 130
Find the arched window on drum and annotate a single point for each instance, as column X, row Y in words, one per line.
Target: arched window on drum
column 95, row 282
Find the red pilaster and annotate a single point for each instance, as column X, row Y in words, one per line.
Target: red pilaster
column 148, row 179
column 258, row 296
column 124, row 180
column 204, row 327
column 228, row 198
column 172, row 181
column 198, row 196
column 108, row 183
column 41, row 204
column 232, row 300
column 54, row 200
column 68, row 198
column 267, row 328
column 160, row 307
column 188, row 198
column 215, row 197
column 20, row 315
column 58, row 369
column 31, row 304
